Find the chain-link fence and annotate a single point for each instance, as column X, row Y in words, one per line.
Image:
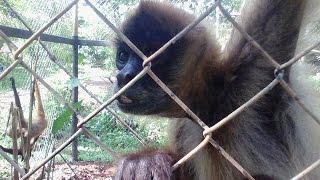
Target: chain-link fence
column 207, row 131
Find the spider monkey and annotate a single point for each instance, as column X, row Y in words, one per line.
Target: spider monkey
column 213, row 83
column 39, row 122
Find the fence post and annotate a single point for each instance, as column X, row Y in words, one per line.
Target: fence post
column 75, row 89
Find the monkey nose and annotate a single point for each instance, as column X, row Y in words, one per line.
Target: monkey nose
column 124, row 77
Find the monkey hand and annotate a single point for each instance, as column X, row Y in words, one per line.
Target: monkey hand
column 155, row 165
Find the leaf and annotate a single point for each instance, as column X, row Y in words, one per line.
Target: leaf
column 81, row 58
column 73, row 82
column 64, row 117
column 81, row 22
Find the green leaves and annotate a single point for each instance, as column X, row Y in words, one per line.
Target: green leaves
column 64, row 118
column 73, row 82
column 81, row 58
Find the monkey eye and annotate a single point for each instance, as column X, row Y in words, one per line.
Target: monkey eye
column 123, row 57
column 151, row 51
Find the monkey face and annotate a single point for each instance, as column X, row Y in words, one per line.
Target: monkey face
column 149, row 32
column 145, row 96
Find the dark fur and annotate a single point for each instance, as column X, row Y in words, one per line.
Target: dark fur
column 213, row 84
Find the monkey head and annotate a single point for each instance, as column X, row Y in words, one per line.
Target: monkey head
column 149, row 27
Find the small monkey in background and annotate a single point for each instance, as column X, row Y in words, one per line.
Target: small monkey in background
column 213, row 83
column 39, row 122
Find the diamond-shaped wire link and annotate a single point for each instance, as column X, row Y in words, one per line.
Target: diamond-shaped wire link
column 146, row 63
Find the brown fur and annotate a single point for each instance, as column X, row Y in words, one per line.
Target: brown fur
column 213, row 83
column 39, row 122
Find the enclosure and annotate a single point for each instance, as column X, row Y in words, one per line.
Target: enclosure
column 68, row 46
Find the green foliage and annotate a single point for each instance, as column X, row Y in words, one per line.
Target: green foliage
column 232, row 5
column 5, row 174
column 21, row 76
column 63, row 53
column 5, row 10
column 316, row 81
column 93, row 154
column 81, row 22
column 81, row 58
column 73, row 82
column 64, row 118
column 113, row 134
column 97, row 57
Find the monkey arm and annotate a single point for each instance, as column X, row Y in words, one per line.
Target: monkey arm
column 273, row 24
column 18, row 104
column 15, row 93
column 39, row 123
column 260, row 138
column 146, row 165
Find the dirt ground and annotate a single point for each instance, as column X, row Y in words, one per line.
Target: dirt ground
column 80, row 170
column 83, row 170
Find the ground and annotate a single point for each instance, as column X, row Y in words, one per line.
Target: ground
column 79, row 171
column 83, row 170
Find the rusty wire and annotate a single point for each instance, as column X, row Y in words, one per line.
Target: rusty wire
column 181, row 33
column 161, row 84
column 114, row 97
column 61, row 99
column 117, row 31
column 45, row 27
column 244, row 106
column 12, row 162
column 12, row 47
column 53, row 58
column 291, row 92
column 299, row 56
column 248, row 37
column 193, row 151
column 53, row 154
column 307, row 170
column 146, row 61
column 274, row 63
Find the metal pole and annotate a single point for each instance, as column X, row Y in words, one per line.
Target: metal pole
column 75, row 91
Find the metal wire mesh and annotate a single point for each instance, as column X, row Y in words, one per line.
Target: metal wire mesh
column 278, row 81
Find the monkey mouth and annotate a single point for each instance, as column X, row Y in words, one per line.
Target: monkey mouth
column 124, row 99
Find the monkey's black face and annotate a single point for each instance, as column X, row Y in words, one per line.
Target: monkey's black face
column 145, row 96
column 148, row 33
